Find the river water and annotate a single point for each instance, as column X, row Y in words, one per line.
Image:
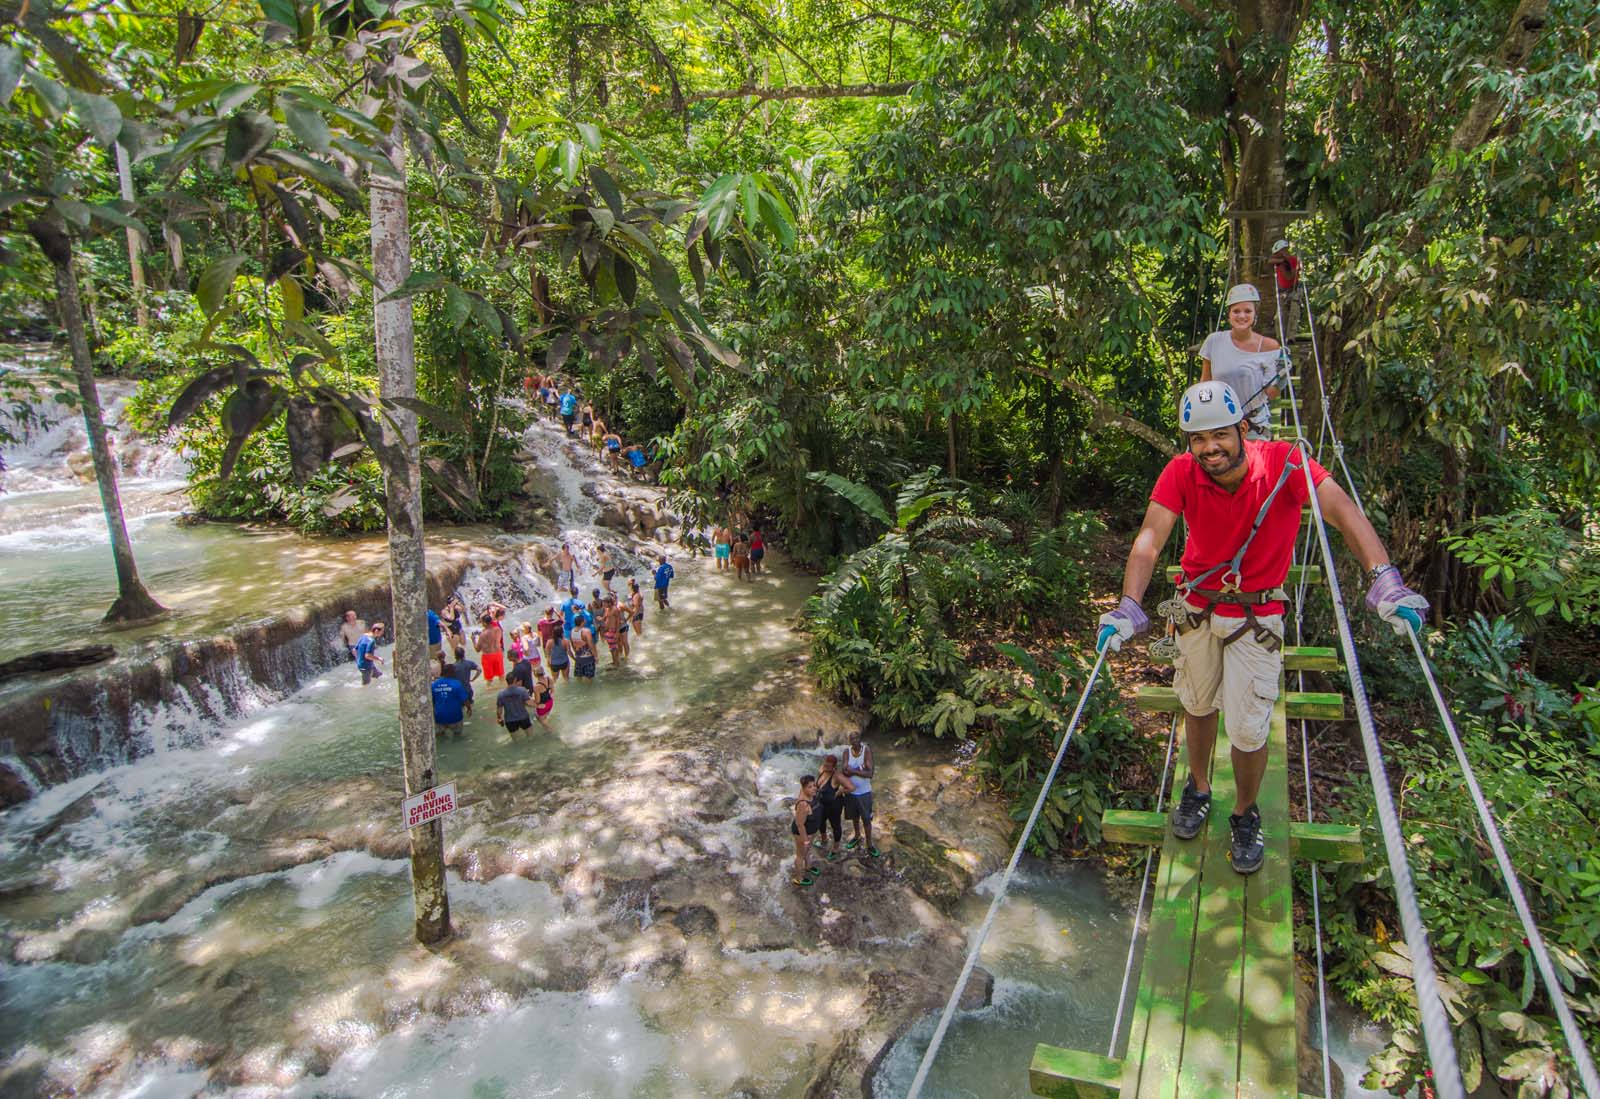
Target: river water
column 231, row 914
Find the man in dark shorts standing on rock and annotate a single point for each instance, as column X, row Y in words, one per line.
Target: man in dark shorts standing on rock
column 511, row 708
column 858, row 803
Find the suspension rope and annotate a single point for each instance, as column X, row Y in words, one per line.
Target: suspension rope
column 1138, row 911
column 1005, row 884
column 1576, row 1045
column 1435, row 1023
column 1569, row 1026
column 1302, row 553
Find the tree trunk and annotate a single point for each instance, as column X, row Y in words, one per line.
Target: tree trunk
column 133, row 603
column 408, row 576
column 950, row 441
column 135, row 243
column 1264, row 33
column 180, row 274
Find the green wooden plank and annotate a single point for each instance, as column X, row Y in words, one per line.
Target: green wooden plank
column 1268, row 1049
column 1072, row 1074
column 1160, row 699
column 1155, row 1032
column 1314, row 705
column 1311, row 658
column 1326, row 842
column 1312, row 574
column 1316, row 842
column 1133, row 826
column 1211, row 1029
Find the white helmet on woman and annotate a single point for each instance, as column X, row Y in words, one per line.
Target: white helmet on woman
column 1243, row 292
column 1280, row 245
column 1207, row 406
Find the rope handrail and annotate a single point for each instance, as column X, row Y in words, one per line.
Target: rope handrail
column 1301, row 554
column 1569, row 1026
column 1576, row 1046
column 1005, row 884
column 1430, row 1005
column 1138, row 910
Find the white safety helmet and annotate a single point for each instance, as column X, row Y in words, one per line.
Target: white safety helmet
column 1243, row 292
column 1280, row 245
column 1206, row 406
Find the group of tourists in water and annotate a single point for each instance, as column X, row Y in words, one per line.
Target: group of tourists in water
column 528, row 659
column 581, row 421
column 840, row 791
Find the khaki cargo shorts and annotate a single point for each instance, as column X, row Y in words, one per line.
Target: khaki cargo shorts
column 1246, row 673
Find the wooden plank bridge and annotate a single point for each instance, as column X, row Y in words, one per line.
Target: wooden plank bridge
column 1215, row 1012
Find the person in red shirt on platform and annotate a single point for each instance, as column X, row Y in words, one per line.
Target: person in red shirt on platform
column 1286, row 265
column 1241, row 500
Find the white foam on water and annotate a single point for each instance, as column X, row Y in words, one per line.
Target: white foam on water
column 572, row 1045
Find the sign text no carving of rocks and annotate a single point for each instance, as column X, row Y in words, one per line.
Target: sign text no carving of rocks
column 429, row 805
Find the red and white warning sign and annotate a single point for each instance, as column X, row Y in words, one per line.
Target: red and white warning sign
column 429, row 805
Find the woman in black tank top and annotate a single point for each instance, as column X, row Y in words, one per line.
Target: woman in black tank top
column 831, row 789
column 803, row 826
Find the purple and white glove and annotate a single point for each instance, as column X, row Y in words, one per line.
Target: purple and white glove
column 1395, row 603
column 1123, row 624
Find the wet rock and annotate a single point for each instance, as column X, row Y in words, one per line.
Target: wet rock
column 979, row 991
column 14, row 788
column 921, row 861
column 613, row 518
column 696, row 919
column 87, row 947
column 53, row 660
column 1308, row 1024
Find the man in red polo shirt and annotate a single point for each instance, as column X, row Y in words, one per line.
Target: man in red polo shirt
column 1241, row 499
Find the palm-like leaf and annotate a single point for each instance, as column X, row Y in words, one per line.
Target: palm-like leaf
column 859, row 495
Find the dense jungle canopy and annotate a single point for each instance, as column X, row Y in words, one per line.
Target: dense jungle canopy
column 956, row 256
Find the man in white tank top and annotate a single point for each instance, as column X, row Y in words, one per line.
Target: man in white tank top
column 858, row 804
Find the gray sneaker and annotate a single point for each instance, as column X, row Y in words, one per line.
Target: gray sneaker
column 1249, row 846
column 1189, row 816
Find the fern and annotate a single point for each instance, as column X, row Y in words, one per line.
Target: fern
column 859, row 495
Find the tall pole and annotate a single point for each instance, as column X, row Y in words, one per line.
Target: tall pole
column 408, row 575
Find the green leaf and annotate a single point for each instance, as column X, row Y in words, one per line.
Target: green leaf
column 457, row 306
column 217, row 281
column 98, row 114
column 10, row 72
column 108, row 213
column 859, row 495
column 418, row 282
column 591, row 135
column 560, row 348
column 249, row 133
column 608, row 190
column 568, row 153
column 627, row 279
column 307, row 124
column 74, row 211
column 316, row 170
column 51, row 94
column 234, row 96
column 281, row 12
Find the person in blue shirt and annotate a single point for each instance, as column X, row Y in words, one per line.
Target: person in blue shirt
column 435, row 637
column 569, row 409
column 451, row 704
column 664, row 576
column 367, row 660
column 570, row 610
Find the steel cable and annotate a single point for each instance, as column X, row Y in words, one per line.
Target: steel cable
column 1569, row 1026
column 1138, row 911
column 1005, row 884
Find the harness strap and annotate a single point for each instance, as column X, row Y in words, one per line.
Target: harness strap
column 1290, row 465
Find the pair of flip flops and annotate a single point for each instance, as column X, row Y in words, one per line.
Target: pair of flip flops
column 808, row 879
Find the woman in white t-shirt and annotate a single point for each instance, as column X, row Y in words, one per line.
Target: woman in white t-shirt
column 1244, row 359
